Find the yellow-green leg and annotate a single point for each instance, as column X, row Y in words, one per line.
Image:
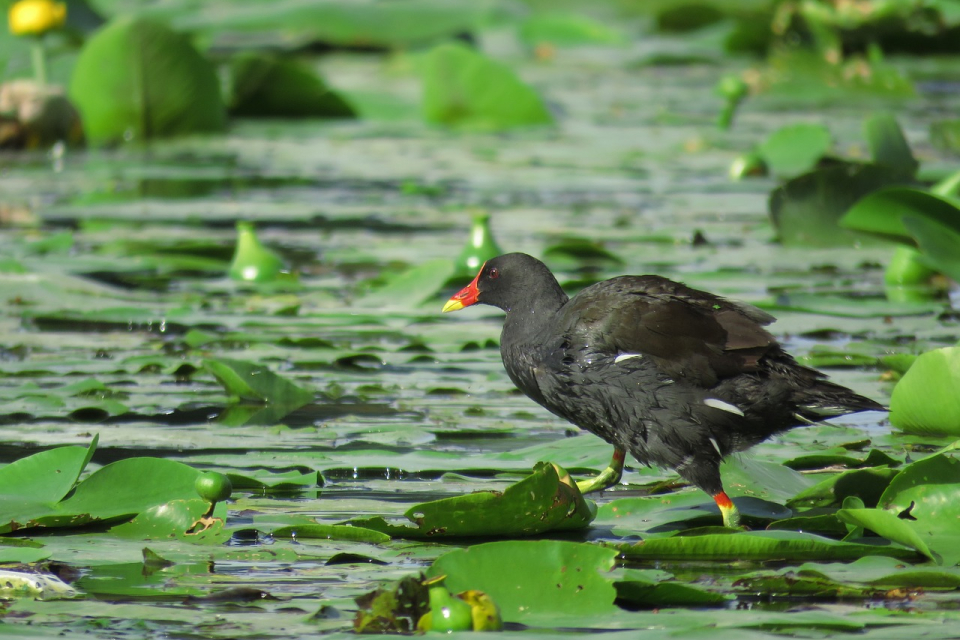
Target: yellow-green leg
column 606, row 478
column 731, row 517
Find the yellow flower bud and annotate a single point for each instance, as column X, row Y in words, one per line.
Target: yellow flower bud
column 36, row 17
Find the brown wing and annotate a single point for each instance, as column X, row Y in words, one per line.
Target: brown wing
column 690, row 334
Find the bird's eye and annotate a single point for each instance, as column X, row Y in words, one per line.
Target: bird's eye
column 494, row 273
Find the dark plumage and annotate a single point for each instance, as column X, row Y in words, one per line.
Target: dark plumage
column 677, row 377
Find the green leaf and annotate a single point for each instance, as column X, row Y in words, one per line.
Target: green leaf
column 926, row 399
column 888, row 146
column 567, row 29
column 541, row 581
column 330, row 532
column 269, row 87
column 787, row 546
column 805, row 211
column 928, row 493
column 250, row 381
column 883, row 523
column 545, row 501
column 939, row 243
column 795, row 149
column 479, row 248
column 44, row 477
column 883, row 213
column 126, row 488
column 462, row 87
column 137, row 79
column 253, row 262
column 178, row 520
column 866, row 484
column 642, row 590
column 411, row 287
column 945, row 135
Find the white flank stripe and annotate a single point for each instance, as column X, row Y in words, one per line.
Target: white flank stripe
column 626, row 356
column 716, row 446
column 723, row 406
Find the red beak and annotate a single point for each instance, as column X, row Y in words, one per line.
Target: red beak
column 465, row 297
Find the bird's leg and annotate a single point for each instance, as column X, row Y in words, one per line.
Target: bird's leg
column 606, row 478
column 731, row 517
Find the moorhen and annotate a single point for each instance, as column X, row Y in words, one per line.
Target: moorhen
column 677, row 377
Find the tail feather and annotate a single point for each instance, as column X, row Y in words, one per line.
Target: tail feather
column 828, row 399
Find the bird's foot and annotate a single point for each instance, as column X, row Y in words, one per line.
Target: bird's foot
column 731, row 516
column 606, row 478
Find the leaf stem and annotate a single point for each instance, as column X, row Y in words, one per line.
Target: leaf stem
column 39, row 58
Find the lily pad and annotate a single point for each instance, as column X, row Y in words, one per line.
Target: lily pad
column 266, row 86
column 926, row 399
column 547, row 580
column 137, row 79
column 462, row 87
column 806, row 210
column 249, row 381
column 796, row 148
column 545, row 501
column 787, row 546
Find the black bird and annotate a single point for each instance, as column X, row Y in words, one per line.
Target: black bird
column 677, row 377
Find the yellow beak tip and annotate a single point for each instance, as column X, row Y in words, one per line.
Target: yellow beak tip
column 452, row 305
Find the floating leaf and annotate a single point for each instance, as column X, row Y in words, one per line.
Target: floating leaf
column 182, row 520
column 883, row 212
column 927, row 492
column 939, row 243
column 330, row 532
column 866, row 484
column 127, row 487
column 640, row 589
column 926, row 400
column 462, row 87
column 545, row 501
column 410, row 287
column 945, row 135
column 884, row 523
column 795, row 149
column 787, row 546
column 566, row 29
column 534, row 580
column 270, row 87
column 250, row 381
column 137, row 79
column 44, row 477
column 805, row 211
column 888, row 146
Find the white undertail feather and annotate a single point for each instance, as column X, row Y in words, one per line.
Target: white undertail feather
column 723, row 406
column 716, row 446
